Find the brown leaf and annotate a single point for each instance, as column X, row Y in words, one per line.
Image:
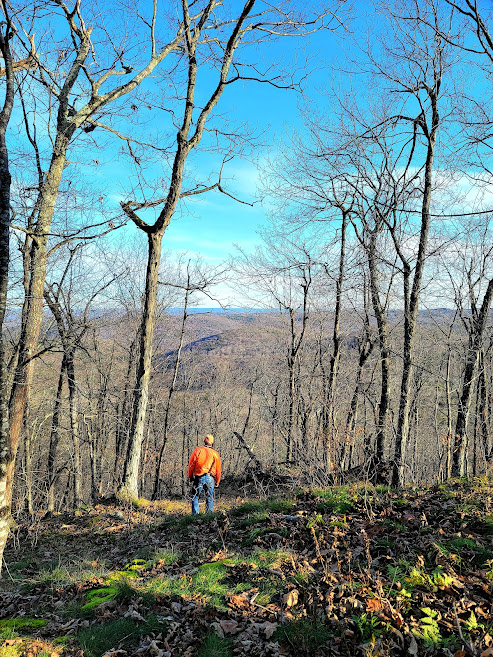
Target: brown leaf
column 229, row 626
column 269, row 629
column 291, row 599
column 238, row 601
column 374, row 604
column 487, row 653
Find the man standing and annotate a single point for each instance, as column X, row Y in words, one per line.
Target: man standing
column 204, row 470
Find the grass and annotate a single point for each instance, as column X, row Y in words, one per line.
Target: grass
column 335, row 500
column 305, row 634
column 167, row 557
column 206, row 584
column 250, row 519
column 269, row 558
column 215, row 646
column 459, row 550
column 123, row 632
column 188, row 521
column 56, row 574
column 211, row 583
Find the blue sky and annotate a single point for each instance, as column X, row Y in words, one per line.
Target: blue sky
column 211, row 224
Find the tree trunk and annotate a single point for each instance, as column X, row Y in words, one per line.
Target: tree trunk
column 74, row 426
column 129, row 488
column 330, row 424
column 54, row 439
column 31, row 327
column 411, row 296
column 381, row 318
column 474, row 347
column 6, row 454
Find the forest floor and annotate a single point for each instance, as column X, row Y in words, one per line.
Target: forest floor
column 346, row 571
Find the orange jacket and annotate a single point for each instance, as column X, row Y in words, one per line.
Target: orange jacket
column 205, row 460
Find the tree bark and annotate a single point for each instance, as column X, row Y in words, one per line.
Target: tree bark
column 473, row 351
column 6, row 453
column 383, row 343
column 74, row 426
column 412, row 291
column 129, row 488
column 54, row 439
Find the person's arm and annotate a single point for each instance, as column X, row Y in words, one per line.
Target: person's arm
column 218, row 469
column 191, row 464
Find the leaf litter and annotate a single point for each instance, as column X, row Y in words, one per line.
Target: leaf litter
column 378, row 573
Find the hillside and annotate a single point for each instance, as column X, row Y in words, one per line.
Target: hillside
column 347, row 571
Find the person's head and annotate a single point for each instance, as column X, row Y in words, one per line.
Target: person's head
column 209, row 440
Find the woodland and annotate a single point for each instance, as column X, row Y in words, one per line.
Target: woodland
column 344, row 368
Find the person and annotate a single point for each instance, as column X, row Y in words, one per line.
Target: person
column 204, row 473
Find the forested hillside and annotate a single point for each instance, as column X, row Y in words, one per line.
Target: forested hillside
column 232, row 375
column 264, row 227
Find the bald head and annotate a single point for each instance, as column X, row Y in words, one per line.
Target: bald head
column 209, row 440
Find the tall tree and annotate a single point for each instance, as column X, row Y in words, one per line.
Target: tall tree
column 78, row 95
column 206, row 29
column 6, row 34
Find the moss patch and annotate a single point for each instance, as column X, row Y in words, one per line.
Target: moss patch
column 23, row 623
column 99, row 596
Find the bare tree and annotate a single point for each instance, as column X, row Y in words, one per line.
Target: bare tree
column 199, row 30
column 78, row 95
column 6, row 34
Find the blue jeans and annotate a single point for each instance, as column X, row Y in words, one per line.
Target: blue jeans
column 207, row 483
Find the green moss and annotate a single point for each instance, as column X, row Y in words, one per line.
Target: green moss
column 99, row 596
column 10, row 651
column 22, row 623
column 141, row 503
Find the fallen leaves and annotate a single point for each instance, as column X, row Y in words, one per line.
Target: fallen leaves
column 291, row 598
column 365, row 576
